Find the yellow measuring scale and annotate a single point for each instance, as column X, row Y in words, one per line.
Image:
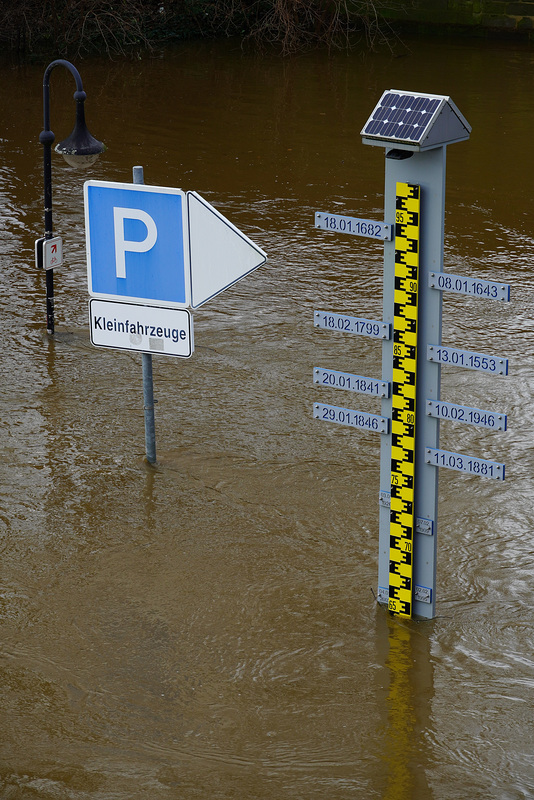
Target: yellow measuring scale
column 402, row 518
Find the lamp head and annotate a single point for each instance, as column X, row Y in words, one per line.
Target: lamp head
column 80, row 149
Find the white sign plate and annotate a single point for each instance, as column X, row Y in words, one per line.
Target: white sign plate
column 355, row 419
column 463, row 463
column 48, row 252
column 53, row 252
column 350, row 382
column 470, row 286
column 357, row 227
column 467, row 359
column 493, row 420
column 330, row 321
column 145, row 329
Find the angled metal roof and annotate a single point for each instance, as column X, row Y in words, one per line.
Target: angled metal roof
column 415, row 121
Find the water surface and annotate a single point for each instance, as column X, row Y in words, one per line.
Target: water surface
column 207, row 627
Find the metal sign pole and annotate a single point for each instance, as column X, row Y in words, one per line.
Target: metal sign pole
column 426, row 171
column 148, row 405
column 148, row 383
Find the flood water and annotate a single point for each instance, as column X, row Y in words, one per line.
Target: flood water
column 206, row 628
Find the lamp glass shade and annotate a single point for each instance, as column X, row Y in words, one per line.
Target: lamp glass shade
column 76, row 160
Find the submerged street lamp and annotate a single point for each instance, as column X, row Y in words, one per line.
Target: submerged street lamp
column 80, row 149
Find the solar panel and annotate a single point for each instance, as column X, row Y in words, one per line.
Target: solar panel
column 416, row 120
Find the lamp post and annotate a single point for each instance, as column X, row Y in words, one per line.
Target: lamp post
column 80, row 149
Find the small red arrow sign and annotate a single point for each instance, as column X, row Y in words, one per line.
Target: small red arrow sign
column 54, row 248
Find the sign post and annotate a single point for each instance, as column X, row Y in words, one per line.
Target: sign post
column 415, row 129
column 139, row 246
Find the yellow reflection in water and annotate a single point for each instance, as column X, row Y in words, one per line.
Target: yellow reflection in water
column 408, row 707
column 401, row 717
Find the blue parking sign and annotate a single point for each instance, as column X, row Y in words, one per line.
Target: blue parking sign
column 135, row 243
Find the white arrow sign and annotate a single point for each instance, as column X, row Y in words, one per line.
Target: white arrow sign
column 220, row 254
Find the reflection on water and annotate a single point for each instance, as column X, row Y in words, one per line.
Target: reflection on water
column 405, row 652
column 400, row 732
column 206, row 627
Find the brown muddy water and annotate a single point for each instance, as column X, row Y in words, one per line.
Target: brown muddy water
column 206, row 628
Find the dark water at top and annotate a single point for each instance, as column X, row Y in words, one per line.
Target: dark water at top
column 206, row 628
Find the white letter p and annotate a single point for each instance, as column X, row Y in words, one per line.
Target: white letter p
column 122, row 245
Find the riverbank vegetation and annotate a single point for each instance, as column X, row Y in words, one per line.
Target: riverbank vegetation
column 78, row 27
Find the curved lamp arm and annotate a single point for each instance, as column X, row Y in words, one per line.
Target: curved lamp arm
column 46, row 89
